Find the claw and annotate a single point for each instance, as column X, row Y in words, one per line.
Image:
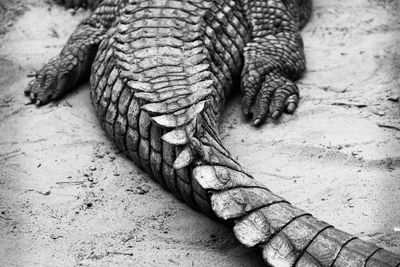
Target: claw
column 291, row 108
column 291, row 105
column 276, row 114
column 257, row 122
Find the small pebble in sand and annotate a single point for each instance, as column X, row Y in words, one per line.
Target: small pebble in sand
column 141, row 191
column 45, row 193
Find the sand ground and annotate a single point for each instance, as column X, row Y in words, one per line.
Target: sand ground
column 68, row 197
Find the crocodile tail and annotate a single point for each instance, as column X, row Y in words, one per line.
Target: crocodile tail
column 287, row 235
column 204, row 174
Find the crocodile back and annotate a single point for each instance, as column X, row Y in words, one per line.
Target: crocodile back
column 166, row 66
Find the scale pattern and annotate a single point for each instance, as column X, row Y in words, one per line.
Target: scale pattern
column 160, row 73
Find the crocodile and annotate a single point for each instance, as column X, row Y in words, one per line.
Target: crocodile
column 160, row 72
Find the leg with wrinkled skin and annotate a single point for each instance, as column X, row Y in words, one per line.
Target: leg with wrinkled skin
column 72, row 65
column 273, row 59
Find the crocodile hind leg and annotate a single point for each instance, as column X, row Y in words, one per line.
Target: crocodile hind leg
column 72, row 65
column 273, row 59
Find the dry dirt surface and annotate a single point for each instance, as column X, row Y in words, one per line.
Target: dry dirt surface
column 69, row 198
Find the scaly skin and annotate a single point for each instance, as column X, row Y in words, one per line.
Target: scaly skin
column 162, row 71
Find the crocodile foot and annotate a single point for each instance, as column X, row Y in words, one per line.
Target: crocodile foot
column 270, row 95
column 50, row 83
